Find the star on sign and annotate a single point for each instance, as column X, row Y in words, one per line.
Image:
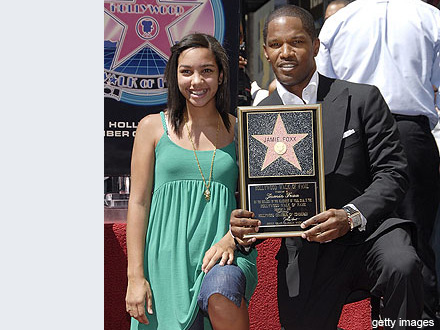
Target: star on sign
column 280, row 144
column 146, row 23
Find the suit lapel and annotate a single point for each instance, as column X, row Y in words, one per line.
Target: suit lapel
column 273, row 99
column 334, row 100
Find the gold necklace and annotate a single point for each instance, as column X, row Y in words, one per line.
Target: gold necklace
column 207, row 192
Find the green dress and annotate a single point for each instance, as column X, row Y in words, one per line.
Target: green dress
column 183, row 226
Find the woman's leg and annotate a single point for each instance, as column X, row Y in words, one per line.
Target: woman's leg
column 222, row 298
column 224, row 314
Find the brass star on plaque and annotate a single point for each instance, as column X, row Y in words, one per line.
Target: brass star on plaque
column 280, row 144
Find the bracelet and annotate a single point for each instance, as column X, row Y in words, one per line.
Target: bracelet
column 350, row 223
column 230, row 232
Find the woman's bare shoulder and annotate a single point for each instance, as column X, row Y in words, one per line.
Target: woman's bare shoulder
column 152, row 125
column 151, row 119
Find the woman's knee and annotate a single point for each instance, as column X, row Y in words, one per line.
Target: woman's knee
column 227, row 281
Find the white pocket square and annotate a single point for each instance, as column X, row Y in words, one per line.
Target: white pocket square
column 348, row 133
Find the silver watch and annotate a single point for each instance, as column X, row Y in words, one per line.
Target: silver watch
column 354, row 217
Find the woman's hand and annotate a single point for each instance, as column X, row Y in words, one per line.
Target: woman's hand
column 223, row 249
column 139, row 292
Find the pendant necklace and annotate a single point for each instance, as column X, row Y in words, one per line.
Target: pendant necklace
column 207, row 192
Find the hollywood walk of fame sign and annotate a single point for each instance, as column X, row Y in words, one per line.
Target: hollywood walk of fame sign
column 138, row 36
column 281, row 166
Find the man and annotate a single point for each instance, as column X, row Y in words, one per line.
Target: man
column 365, row 178
column 334, row 6
column 395, row 45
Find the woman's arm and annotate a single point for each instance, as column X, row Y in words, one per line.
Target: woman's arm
column 142, row 175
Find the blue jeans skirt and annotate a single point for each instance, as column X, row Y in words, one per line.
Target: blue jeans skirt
column 228, row 280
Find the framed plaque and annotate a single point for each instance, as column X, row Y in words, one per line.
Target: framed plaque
column 280, row 150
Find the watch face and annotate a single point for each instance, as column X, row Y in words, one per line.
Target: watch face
column 357, row 221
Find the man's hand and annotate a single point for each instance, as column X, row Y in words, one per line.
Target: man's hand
column 327, row 226
column 241, row 224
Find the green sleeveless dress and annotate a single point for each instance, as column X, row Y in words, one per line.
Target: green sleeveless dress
column 183, row 226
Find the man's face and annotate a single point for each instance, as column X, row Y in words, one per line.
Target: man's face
column 291, row 52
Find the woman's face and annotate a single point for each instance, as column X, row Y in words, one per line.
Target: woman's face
column 198, row 76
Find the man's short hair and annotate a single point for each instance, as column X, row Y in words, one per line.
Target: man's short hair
column 293, row 11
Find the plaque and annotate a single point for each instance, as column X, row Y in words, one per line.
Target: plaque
column 280, row 151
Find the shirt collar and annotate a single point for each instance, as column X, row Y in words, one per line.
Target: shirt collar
column 309, row 93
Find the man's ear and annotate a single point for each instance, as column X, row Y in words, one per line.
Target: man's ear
column 265, row 53
column 316, row 44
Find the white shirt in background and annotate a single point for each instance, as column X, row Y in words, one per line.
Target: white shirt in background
column 392, row 44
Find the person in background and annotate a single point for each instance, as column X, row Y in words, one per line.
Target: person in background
column 182, row 263
column 334, row 6
column 259, row 94
column 435, row 239
column 436, row 129
column 244, row 82
column 357, row 243
column 272, row 86
column 395, row 45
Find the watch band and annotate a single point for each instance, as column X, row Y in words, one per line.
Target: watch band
column 351, row 214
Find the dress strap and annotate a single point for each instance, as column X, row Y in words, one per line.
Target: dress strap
column 164, row 122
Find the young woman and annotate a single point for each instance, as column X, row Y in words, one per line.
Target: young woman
column 182, row 263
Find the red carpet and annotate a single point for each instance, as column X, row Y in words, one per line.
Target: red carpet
column 263, row 308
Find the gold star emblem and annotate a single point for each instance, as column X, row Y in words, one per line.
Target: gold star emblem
column 280, row 144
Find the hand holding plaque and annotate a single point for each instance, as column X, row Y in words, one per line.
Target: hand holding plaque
column 281, row 166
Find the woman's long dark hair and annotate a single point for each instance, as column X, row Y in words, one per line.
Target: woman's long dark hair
column 176, row 101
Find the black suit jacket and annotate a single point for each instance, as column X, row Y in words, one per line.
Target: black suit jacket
column 368, row 168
